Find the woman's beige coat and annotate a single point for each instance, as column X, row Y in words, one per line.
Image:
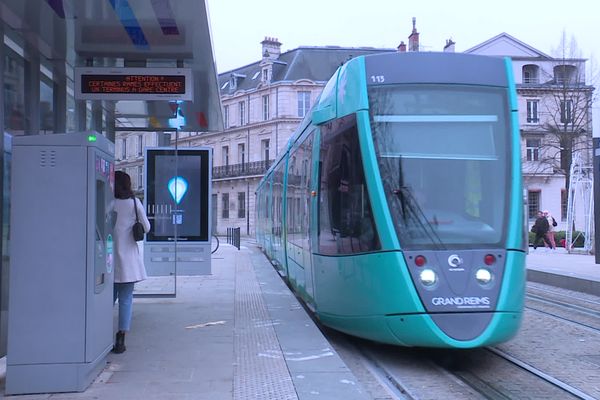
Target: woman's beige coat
column 129, row 264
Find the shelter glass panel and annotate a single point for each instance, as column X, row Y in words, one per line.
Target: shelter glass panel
column 14, row 93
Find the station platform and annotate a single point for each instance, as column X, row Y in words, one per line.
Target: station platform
column 241, row 334
column 558, row 268
column 238, row 333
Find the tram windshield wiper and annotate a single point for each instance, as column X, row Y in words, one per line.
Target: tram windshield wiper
column 412, row 213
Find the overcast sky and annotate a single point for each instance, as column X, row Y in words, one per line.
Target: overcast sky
column 238, row 26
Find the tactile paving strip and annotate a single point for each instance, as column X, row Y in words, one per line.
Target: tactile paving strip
column 261, row 371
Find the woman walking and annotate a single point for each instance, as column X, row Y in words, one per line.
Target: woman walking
column 129, row 265
column 551, row 226
column 540, row 228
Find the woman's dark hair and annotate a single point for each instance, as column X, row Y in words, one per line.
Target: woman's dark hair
column 123, row 185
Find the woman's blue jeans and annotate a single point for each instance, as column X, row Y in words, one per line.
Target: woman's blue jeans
column 124, row 293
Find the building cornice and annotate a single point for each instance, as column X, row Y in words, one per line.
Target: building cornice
column 261, row 87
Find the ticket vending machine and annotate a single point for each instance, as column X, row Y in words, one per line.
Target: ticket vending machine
column 178, row 204
column 60, row 319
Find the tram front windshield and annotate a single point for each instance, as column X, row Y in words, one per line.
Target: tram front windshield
column 443, row 153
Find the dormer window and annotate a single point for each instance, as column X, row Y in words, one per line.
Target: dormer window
column 530, row 74
column 234, row 79
column 265, row 75
column 564, row 74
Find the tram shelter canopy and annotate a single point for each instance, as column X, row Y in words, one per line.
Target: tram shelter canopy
column 62, row 35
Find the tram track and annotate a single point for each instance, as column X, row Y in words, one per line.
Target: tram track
column 572, row 296
column 513, row 370
column 565, row 307
column 542, row 375
column 509, row 377
column 491, row 373
column 487, row 373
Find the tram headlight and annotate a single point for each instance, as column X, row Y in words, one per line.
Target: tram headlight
column 428, row 277
column 483, row 276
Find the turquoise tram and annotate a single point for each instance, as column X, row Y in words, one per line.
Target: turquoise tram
column 395, row 211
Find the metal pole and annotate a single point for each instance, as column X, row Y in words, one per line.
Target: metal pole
column 596, row 184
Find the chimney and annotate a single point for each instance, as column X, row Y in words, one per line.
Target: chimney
column 413, row 39
column 449, row 47
column 402, row 47
column 271, row 48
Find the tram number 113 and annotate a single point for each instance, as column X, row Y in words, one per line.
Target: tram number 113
column 377, row 78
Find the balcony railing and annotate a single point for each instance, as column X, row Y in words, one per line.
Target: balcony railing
column 238, row 170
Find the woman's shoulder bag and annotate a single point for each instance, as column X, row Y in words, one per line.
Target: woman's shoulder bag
column 138, row 228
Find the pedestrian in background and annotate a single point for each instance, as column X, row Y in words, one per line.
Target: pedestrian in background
column 551, row 225
column 540, row 228
column 129, row 265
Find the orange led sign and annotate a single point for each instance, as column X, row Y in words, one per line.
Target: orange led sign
column 133, row 84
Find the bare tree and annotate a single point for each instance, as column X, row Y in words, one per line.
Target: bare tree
column 567, row 110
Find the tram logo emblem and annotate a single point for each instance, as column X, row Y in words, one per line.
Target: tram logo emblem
column 455, row 261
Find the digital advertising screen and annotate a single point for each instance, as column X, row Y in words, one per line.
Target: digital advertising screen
column 178, row 194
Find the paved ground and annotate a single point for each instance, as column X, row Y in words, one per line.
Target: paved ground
column 240, row 334
column 558, row 268
column 236, row 334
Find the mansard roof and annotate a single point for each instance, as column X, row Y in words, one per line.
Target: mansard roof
column 316, row 64
column 507, row 45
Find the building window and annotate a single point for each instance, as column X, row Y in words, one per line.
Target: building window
column 566, row 111
column 564, row 200
column 265, row 103
column 241, row 204
column 140, row 177
column 242, row 113
column 226, row 116
column 265, row 74
column 303, row 103
column 533, row 149
column 241, row 153
column 564, row 74
column 140, row 145
column 225, row 205
column 530, row 73
column 124, row 149
column 532, row 111
column 225, row 155
column 264, row 146
column 533, row 203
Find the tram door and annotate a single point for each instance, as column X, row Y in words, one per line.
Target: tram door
column 308, row 172
column 298, row 197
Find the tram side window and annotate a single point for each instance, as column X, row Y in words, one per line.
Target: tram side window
column 346, row 223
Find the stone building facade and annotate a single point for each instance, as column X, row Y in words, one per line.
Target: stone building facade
column 553, row 95
column 263, row 102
